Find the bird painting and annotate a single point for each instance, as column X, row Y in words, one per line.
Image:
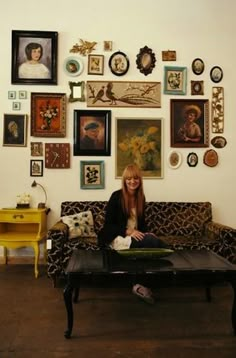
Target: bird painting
column 99, row 95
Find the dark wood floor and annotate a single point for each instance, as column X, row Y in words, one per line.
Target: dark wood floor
column 110, row 321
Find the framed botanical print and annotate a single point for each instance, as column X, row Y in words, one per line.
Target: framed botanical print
column 92, row 132
column 175, row 80
column 15, row 130
column 95, row 64
column 189, row 123
column 48, row 114
column 92, row 175
column 34, row 57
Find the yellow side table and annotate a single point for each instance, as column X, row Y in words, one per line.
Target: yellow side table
column 21, row 228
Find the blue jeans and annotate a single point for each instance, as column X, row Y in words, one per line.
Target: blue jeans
column 149, row 241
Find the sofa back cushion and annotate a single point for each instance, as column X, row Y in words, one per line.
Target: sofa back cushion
column 178, row 218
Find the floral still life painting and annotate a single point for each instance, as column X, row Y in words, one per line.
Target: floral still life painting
column 123, row 94
column 139, row 141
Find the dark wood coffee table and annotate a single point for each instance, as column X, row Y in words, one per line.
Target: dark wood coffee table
column 181, row 267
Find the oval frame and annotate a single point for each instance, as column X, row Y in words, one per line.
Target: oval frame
column 120, row 68
column 210, row 158
column 198, row 66
column 219, row 142
column 73, row 66
column 216, row 74
column 145, row 60
column 174, row 159
column 192, row 159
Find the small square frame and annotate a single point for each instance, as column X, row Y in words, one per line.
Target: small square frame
column 15, row 130
column 175, row 80
column 22, row 94
column 36, row 149
column 16, row 106
column 95, row 64
column 36, row 168
column 92, row 175
column 11, row 94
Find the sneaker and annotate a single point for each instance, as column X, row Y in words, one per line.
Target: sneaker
column 144, row 293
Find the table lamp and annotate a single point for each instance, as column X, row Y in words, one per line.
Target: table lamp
column 43, row 204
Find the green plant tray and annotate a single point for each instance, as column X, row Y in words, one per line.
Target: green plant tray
column 144, row 253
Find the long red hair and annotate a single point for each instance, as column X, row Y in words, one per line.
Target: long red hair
column 132, row 171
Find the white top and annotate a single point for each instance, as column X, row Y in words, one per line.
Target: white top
column 36, row 70
column 123, row 243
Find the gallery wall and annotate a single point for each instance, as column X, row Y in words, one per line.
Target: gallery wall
column 193, row 29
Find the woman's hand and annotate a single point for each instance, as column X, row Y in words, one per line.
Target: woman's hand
column 137, row 235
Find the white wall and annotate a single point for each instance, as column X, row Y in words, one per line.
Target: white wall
column 202, row 29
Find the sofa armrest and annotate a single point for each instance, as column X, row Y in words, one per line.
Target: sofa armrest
column 58, row 231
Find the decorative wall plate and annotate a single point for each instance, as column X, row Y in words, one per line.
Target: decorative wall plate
column 198, row 66
column 73, row 66
column 216, row 74
column 174, row 159
column 219, row 142
column 210, row 158
column 192, row 159
column 145, row 60
column 119, row 63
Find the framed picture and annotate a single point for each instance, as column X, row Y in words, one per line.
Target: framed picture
column 22, row 94
column 145, row 60
column 216, row 74
column 139, row 140
column 36, row 149
column 107, row 45
column 197, row 88
column 73, row 66
column 34, row 57
column 119, row 63
column 198, row 66
column 16, row 106
column 217, row 110
column 77, row 91
column 92, row 132
column 95, row 64
column 15, row 130
column 123, row 94
column 11, row 94
column 174, row 159
column 192, row 159
column 92, row 175
column 189, row 123
column 48, row 114
column 175, row 80
column 36, row 168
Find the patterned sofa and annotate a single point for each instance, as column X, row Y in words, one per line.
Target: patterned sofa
column 184, row 225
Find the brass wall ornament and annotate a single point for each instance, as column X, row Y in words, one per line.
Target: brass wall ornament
column 217, row 112
column 84, row 48
column 145, row 60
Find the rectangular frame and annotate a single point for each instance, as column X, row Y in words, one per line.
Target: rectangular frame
column 36, row 167
column 195, row 134
column 48, row 114
column 15, row 130
column 16, row 106
column 123, row 94
column 23, row 42
column 36, row 149
column 92, row 175
column 22, row 94
column 175, row 80
column 11, row 94
column 95, row 64
column 140, row 141
column 89, row 124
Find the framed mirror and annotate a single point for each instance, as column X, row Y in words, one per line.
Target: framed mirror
column 77, row 91
column 145, row 60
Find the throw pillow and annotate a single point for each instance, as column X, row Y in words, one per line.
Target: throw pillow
column 80, row 224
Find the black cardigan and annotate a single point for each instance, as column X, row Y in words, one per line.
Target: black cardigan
column 116, row 221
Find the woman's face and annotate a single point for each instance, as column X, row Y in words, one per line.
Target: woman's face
column 191, row 116
column 36, row 54
column 132, row 183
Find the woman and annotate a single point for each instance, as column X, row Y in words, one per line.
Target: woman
column 190, row 131
column 125, row 226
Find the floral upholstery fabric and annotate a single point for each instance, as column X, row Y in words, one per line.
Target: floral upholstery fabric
column 183, row 225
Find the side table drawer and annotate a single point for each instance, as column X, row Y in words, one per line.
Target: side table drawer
column 20, row 217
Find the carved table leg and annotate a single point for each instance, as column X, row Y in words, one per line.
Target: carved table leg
column 68, row 290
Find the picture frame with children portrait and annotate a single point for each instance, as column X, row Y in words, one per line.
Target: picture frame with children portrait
column 189, row 123
column 15, row 130
column 92, row 132
column 34, row 57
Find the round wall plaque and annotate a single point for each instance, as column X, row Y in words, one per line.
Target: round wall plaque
column 210, row 158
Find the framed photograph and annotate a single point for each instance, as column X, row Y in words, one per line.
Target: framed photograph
column 145, row 60
column 36, row 168
column 174, row 159
column 192, row 159
column 216, row 74
column 175, row 80
column 95, row 64
column 36, row 149
column 119, row 63
column 107, row 45
column 198, row 66
column 34, row 57
column 197, row 88
column 11, row 94
column 16, row 106
column 139, row 140
column 92, row 132
column 15, row 130
column 73, row 66
column 48, row 114
column 189, row 123
column 22, row 94
column 92, row 175
column 77, row 91
column 123, row 94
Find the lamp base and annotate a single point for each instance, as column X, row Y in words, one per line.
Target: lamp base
column 41, row 206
